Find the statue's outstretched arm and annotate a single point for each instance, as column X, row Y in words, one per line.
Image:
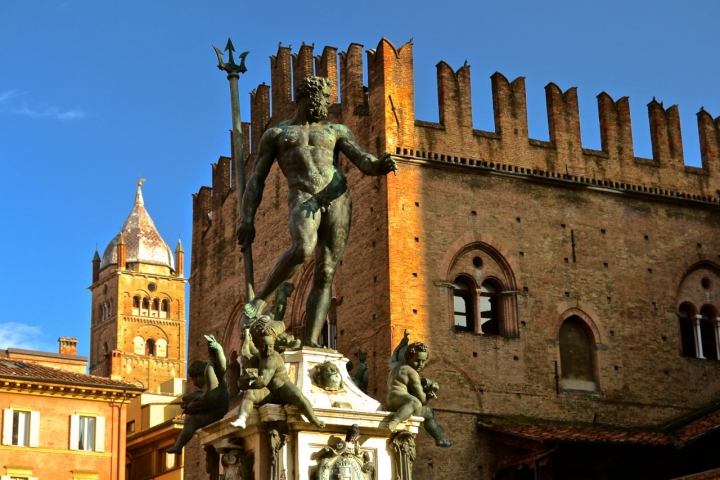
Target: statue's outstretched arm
column 367, row 163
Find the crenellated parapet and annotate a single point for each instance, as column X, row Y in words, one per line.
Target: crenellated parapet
column 381, row 111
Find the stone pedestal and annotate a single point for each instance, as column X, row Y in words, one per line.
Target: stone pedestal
column 280, row 444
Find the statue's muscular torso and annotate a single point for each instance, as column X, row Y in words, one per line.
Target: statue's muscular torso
column 307, row 154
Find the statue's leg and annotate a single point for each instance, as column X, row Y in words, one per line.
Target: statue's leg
column 332, row 238
column 250, row 398
column 405, row 406
column 432, row 427
column 304, row 218
column 289, row 393
column 193, row 423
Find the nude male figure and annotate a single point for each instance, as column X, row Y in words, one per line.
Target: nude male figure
column 307, row 148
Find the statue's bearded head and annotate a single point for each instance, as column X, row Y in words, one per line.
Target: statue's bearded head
column 317, row 90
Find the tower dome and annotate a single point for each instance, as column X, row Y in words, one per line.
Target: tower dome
column 143, row 243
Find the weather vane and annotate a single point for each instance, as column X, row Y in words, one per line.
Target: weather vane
column 233, row 71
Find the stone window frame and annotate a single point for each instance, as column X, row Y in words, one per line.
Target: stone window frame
column 694, row 263
column 509, row 324
column 581, row 318
column 697, row 319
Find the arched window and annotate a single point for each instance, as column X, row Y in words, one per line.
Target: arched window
column 576, row 356
column 139, row 345
column 100, row 313
column 489, row 314
column 145, row 306
column 110, row 308
column 165, row 309
column 155, row 307
column 328, row 337
column 136, row 305
column 708, row 320
column 463, row 304
column 106, row 348
column 686, row 312
column 161, row 348
column 150, row 347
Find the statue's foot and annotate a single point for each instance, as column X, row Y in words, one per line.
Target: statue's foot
column 254, row 308
column 443, row 442
column 311, row 344
column 318, row 423
column 392, row 425
column 239, row 423
column 174, row 449
column 294, row 345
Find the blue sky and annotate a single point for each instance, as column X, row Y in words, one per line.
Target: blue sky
column 94, row 95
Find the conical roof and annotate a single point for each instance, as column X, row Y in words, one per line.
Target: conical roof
column 143, row 243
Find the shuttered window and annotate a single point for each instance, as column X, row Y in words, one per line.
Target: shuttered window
column 21, row 428
column 87, row 433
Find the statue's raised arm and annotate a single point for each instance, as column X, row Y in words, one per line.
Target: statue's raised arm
column 398, row 356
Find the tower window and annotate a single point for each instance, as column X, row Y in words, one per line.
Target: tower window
column 136, row 305
column 150, row 347
column 489, row 316
column 165, row 309
column 687, row 330
column 707, row 332
column 463, row 305
column 155, row 307
column 145, row 306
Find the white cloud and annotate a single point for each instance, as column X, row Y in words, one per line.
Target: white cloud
column 8, row 95
column 46, row 112
column 19, row 335
column 40, row 111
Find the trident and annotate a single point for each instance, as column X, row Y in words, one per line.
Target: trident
column 233, row 75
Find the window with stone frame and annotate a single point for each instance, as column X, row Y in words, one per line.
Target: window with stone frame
column 464, row 303
column 697, row 313
column 708, row 332
column 489, row 311
column 686, row 314
column 136, row 305
column 577, row 348
column 482, row 290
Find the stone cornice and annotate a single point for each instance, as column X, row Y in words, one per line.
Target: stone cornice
column 50, row 388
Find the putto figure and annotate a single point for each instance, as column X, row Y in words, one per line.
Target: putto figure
column 408, row 393
column 271, row 384
column 307, row 148
column 211, row 402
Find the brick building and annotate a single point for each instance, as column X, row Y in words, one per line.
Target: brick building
column 569, row 296
column 138, row 305
column 58, row 423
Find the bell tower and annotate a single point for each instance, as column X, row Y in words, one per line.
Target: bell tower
column 138, row 305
